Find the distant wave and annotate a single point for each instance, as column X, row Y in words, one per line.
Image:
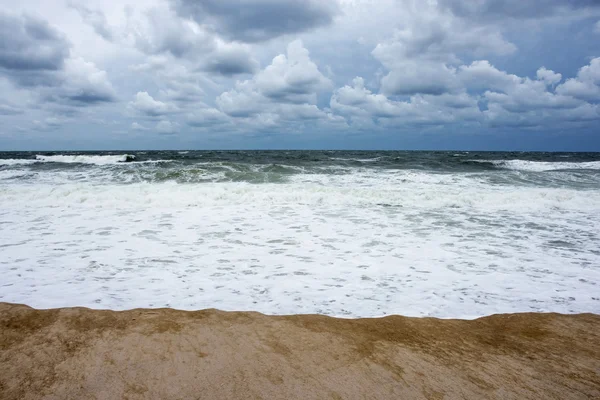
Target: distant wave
column 87, row 159
column 79, row 159
column 13, row 161
column 364, row 160
column 539, row 166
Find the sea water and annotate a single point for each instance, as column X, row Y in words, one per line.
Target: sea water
column 351, row 234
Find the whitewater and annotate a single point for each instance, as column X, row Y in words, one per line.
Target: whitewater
column 347, row 234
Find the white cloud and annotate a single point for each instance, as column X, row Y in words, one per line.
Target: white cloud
column 292, row 78
column 548, row 76
column 586, row 85
column 145, row 104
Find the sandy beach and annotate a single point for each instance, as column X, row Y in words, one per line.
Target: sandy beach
column 79, row 353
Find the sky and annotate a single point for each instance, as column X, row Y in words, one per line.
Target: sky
column 300, row 74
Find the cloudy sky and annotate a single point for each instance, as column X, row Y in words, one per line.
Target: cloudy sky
column 372, row 74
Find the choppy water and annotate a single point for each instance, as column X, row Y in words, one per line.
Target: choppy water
column 447, row 234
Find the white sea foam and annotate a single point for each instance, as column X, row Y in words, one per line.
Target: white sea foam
column 541, row 166
column 362, row 244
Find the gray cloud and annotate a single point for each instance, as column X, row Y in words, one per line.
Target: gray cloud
column 30, row 44
column 7, row 109
column 421, row 57
column 96, row 19
column 517, row 9
column 207, row 117
column 35, row 56
column 166, row 127
column 161, row 31
column 229, row 60
column 413, row 77
column 424, row 65
column 258, row 20
column 81, row 83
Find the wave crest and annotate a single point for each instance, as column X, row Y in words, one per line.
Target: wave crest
column 87, row 159
column 539, row 166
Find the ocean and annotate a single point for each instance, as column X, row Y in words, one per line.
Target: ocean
column 341, row 233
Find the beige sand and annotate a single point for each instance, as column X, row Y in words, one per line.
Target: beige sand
column 168, row 354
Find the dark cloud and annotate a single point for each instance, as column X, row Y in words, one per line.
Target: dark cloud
column 35, row 56
column 258, row 20
column 79, row 84
column 518, row 9
column 161, row 31
column 230, row 63
column 82, row 97
column 30, row 44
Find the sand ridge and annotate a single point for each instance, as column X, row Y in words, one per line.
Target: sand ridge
column 78, row 353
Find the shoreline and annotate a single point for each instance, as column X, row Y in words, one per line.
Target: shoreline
column 167, row 353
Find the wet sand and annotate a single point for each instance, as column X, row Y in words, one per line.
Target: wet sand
column 168, row 354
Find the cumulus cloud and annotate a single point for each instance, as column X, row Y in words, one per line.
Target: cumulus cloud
column 145, row 104
column 420, row 64
column 283, row 92
column 482, row 94
column 421, row 57
column 516, row 94
column 258, row 20
column 481, row 75
column 586, row 85
column 290, row 78
column 548, row 76
column 356, row 100
column 294, row 78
